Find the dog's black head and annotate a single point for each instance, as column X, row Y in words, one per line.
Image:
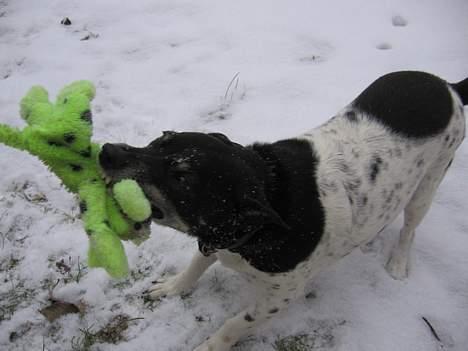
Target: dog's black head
column 201, row 184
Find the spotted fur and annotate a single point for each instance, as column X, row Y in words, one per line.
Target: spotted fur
column 279, row 213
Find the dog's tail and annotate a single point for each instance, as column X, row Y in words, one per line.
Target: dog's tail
column 462, row 89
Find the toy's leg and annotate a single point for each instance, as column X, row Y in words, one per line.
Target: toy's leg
column 11, row 137
column 184, row 280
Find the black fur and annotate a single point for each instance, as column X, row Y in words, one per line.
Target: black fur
column 292, row 192
column 262, row 196
column 414, row 104
column 462, row 89
column 374, row 168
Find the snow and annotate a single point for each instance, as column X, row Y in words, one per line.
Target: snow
column 167, row 65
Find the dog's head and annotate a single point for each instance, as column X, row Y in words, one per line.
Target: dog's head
column 201, row 184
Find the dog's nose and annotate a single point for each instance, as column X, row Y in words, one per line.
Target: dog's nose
column 113, row 156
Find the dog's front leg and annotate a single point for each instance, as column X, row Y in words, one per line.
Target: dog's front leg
column 269, row 302
column 184, row 280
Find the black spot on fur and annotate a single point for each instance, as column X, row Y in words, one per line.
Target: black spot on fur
column 415, row 104
column 249, row 318
column 351, row 116
column 420, row 163
column 375, row 168
column 87, row 116
column 363, row 200
column 273, row 310
column 449, row 164
column 69, row 138
column 83, row 207
column 76, row 168
column 390, row 197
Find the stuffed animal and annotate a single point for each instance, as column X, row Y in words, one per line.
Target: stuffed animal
column 60, row 136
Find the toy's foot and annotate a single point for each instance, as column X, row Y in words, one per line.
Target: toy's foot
column 171, row 286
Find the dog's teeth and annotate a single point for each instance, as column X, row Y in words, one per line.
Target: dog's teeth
column 107, row 179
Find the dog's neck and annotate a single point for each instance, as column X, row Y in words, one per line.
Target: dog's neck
column 273, row 174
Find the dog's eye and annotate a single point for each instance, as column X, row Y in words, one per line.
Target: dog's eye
column 179, row 176
column 183, row 178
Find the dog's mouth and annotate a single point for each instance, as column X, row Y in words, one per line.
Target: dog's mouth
column 156, row 212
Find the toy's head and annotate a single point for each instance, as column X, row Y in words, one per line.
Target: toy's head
column 68, row 123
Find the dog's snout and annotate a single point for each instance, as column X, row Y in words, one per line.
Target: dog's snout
column 113, row 156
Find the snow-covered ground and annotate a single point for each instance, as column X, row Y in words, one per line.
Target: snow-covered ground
column 162, row 65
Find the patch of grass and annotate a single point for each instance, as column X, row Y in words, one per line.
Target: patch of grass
column 111, row 333
column 12, row 299
column 83, row 342
column 298, row 342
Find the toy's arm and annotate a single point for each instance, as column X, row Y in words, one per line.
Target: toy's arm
column 105, row 248
column 12, row 137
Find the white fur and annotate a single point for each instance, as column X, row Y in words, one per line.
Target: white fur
column 410, row 168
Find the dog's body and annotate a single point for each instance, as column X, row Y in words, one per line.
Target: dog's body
column 281, row 212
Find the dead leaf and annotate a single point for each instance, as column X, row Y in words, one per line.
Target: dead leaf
column 58, row 309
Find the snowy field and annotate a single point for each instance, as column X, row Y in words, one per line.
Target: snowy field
column 167, row 65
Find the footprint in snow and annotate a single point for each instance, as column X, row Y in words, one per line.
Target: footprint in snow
column 399, row 21
column 384, row 46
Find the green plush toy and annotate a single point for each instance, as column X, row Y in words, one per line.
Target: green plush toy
column 60, row 136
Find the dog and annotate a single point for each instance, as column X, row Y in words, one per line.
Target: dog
column 281, row 212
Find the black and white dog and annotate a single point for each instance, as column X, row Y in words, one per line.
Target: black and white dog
column 281, row 212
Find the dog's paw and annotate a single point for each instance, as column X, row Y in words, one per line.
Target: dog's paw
column 397, row 268
column 171, row 286
column 214, row 345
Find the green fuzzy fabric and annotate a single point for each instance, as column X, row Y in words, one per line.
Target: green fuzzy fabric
column 60, row 136
column 132, row 200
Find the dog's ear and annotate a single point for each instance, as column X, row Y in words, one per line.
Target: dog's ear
column 256, row 213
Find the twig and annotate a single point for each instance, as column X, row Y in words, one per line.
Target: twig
column 230, row 84
column 433, row 332
column 51, row 290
